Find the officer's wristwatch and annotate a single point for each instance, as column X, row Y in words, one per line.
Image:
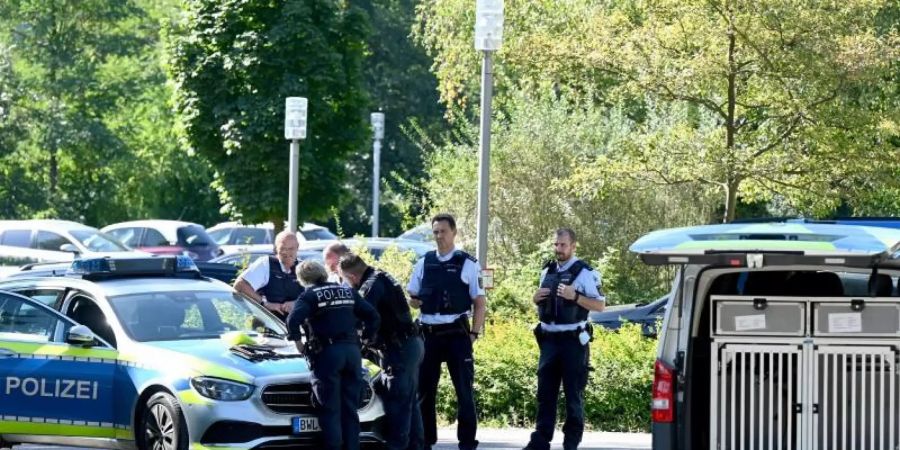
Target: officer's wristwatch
column 475, row 333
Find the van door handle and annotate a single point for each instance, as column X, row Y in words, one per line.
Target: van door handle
column 6, row 353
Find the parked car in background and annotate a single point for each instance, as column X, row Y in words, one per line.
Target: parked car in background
column 647, row 315
column 375, row 246
column 166, row 237
column 246, row 257
column 234, row 237
column 421, row 233
column 30, row 241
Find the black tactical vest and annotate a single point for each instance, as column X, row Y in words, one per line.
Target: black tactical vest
column 334, row 317
column 396, row 319
column 282, row 287
column 443, row 291
column 557, row 310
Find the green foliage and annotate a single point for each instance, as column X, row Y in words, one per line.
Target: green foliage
column 758, row 99
column 536, row 187
column 234, row 62
column 86, row 129
column 399, row 83
column 617, row 397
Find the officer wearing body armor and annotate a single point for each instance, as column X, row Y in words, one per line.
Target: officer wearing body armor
column 272, row 281
column 445, row 286
column 328, row 314
column 569, row 289
column 400, row 351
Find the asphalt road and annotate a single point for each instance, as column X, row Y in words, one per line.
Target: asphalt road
column 498, row 439
column 516, row 438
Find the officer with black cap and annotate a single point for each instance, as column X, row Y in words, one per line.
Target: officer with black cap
column 445, row 285
column 329, row 314
column 569, row 289
column 401, row 350
column 271, row 281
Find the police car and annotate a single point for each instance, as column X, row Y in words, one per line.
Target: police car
column 146, row 353
column 778, row 336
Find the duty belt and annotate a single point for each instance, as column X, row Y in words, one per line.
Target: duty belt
column 540, row 333
column 460, row 326
column 398, row 338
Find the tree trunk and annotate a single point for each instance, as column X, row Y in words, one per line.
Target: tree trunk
column 731, row 195
column 52, row 133
column 732, row 181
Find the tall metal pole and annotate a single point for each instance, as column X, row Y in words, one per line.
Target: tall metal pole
column 484, row 161
column 376, row 185
column 292, row 191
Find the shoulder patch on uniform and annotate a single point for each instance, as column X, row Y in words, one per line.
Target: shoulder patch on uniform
column 468, row 256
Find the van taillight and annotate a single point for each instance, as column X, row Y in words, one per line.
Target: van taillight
column 662, row 407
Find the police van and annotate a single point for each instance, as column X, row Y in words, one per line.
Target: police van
column 778, row 336
column 146, row 353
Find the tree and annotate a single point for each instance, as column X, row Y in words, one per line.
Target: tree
column 775, row 98
column 60, row 54
column 400, row 84
column 234, row 62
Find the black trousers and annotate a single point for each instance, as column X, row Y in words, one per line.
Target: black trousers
column 337, row 385
column 403, row 417
column 456, row 350
column 563, row 361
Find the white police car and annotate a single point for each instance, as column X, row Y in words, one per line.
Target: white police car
column 164, row 359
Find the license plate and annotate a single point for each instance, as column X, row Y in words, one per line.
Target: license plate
column 305, row 424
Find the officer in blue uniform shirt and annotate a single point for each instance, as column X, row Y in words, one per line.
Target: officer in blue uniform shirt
column 569, row 289
column 329, row 314
column 272, row 281
column 445, row 286
column 401, row 350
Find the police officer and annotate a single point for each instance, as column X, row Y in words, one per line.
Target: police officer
column 401, row 349
column 569, row 289
column 271, row 281
column 332, row 254
column 445, row 285
column 329, row 314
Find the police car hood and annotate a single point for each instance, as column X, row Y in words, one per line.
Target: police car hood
column 214, row 357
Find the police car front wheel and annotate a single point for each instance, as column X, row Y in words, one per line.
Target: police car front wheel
column 162, row 425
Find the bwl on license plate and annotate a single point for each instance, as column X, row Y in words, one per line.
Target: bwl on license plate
column 304, row 424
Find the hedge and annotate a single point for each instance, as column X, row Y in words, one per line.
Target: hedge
column 617, row 397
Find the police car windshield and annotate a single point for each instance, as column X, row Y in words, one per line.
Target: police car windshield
column 96, row 241
column 172, row 316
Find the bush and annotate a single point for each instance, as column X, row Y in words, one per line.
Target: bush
column 617, row 397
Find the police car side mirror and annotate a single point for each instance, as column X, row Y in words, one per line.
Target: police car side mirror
column 81, row 335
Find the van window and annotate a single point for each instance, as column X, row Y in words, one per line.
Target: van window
column 16, row 238
column 50, row 241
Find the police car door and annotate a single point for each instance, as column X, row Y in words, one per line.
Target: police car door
column 49, row 386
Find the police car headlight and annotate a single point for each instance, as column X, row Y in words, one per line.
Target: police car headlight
column 218, row 389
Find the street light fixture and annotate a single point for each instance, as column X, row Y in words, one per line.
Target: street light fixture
column 377, row 119
column 488, row 38
column 295, row 109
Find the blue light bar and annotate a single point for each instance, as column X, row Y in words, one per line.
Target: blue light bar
column 85, row 266
column 140, row 266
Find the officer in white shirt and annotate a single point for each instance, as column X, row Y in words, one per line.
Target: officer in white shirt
column 569, row 289
column 272, row 281
column 332, row 254
column 445, row 286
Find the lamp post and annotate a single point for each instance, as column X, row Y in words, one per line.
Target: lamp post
column 294, row 130
column 488, row 37
column 377, row 135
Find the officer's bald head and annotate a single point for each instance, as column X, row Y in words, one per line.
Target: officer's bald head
column 286, row 246
column 311, row 273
